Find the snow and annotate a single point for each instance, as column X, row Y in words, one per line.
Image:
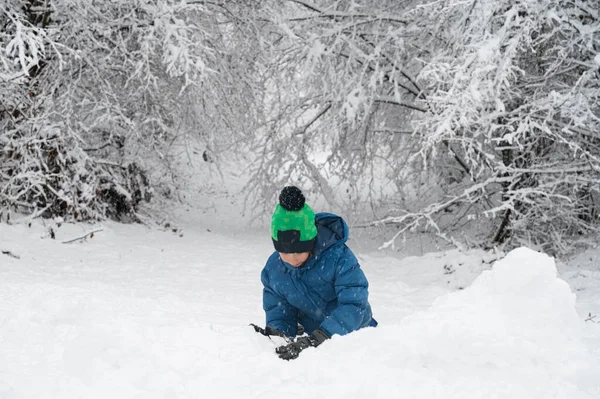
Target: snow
column 141, row 313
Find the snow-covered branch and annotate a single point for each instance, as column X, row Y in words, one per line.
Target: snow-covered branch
column 94, row 98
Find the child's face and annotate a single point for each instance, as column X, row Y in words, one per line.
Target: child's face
column 296, row 259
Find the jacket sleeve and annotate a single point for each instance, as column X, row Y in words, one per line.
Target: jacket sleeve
column 352, row 290
column 279, row 313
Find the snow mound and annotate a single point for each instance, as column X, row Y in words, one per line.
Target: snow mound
column 513, row 334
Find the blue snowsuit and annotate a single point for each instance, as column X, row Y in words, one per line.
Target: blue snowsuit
column 329, row 291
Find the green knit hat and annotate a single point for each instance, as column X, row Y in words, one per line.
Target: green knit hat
column 293, row 228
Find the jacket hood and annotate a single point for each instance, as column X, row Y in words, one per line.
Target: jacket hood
column 331, row 230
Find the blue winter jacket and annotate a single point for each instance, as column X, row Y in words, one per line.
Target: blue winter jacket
column 329, row 291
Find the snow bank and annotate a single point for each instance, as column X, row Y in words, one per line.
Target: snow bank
column 513, row 334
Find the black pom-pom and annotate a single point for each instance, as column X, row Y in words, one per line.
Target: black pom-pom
column 291, row 198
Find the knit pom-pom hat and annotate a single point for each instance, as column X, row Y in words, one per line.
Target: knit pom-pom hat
column 293, row 228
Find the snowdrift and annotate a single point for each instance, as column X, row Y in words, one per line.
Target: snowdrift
column 139, row 314
column 513, row 334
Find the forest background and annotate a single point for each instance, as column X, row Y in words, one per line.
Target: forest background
column 476, row 121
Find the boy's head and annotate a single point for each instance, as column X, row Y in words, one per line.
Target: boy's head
column 293, row 228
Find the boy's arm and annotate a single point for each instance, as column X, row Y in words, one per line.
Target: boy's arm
column 352, row 290
column 279, row 313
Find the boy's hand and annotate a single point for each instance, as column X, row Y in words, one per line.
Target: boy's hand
column 292, row 350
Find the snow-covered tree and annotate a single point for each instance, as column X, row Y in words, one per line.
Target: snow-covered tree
column 514, row 88
column 344, row 92
column 445, row 114
column 99, row 97
column 500, row 99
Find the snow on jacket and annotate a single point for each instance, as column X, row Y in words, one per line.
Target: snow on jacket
column 329, row 291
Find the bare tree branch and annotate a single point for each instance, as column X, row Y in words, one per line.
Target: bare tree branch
column 88, row 234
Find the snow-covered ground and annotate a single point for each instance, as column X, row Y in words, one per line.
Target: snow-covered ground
column 140, row 313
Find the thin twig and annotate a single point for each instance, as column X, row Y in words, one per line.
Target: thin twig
column 592, row 319
column 11, row 254
column 313, row 120
column 83, row 236
column 392, row 100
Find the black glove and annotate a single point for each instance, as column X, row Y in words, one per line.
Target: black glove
column 267, row 331
column 292, row 350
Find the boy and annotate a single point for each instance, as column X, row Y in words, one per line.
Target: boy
column 313, row 279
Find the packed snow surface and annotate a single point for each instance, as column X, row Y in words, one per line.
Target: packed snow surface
column 140, row 313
